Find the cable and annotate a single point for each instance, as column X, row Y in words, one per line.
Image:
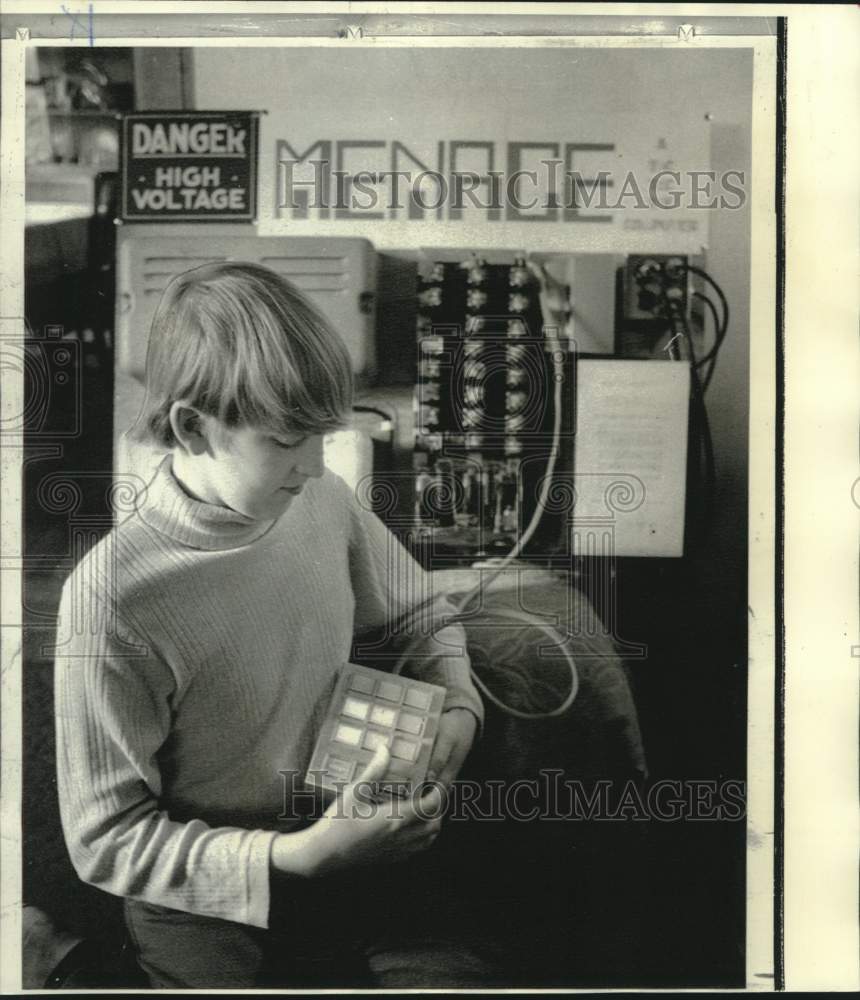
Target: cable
column 719, row 329
column 706, row 441
column 720, row 336
column 720, row 294
column 722, row 329
column 462, row 611
column 517, row 713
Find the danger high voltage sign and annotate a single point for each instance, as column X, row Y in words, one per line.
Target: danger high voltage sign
column 183, row 166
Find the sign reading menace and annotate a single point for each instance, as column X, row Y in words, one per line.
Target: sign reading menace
column 591, row 150
column 183, row 166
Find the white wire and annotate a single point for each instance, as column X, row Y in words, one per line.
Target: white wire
column 558, row 378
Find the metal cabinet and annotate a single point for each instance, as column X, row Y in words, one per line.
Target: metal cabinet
column 337, row 274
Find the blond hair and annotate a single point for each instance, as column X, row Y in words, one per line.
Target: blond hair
column 238, row 342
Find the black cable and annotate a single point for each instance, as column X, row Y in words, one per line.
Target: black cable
column 706, row 441
column 718, row 323
column 719, row 329
column 707, row 379
column 720, row 294
column 719, row 337
column 712, row 357
column 700, row 427
column 700, row 424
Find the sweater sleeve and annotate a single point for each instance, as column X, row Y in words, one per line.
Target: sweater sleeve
column 113, row 712
column 388, row 583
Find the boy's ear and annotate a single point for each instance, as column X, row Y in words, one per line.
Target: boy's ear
column 189, row 428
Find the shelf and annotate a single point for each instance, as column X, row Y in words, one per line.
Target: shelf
column 84, row 113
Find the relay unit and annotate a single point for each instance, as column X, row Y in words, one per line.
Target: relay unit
column 483, row 402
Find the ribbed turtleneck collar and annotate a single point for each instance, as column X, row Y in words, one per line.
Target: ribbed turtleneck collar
column 165, row 506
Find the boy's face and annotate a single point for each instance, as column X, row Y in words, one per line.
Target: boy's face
column 259, row 472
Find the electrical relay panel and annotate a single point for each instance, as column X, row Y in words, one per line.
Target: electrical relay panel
column 483, row 402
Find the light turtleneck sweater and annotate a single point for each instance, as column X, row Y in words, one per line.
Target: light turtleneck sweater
column 197, row 652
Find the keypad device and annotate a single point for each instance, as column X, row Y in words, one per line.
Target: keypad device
column 368, row 708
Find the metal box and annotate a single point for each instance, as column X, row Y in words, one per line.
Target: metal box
column 338, row 275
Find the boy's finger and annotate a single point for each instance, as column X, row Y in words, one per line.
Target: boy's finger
column 419, row 812
column 439, row 758
column 377, row 765
column 452, row 766
column 430, row 805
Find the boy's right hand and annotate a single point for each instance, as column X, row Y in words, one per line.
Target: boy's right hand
column 357, row 830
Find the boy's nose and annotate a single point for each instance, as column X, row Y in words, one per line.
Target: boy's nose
column 310, row 458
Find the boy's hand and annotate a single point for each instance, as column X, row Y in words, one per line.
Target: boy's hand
column 453, row 742
column 357, row 830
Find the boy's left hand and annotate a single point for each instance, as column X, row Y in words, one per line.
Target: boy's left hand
column 454, row 741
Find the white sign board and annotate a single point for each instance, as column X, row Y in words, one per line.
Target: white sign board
column 630, row 458
column 588, row 150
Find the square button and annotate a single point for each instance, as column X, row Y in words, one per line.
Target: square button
column 383, row 716
column 409, row 723
column 372, row 740
column 362, row 683
column 416, row 698
column 348, row 734
column 405, row 749
column 356, row 708
column 340, row 769
column 389, row 690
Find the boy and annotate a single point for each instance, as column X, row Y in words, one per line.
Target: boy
column 199, row 643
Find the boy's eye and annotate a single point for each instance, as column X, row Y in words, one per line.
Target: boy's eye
column 289, row 444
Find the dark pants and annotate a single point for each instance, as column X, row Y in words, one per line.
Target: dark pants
column 381, row 930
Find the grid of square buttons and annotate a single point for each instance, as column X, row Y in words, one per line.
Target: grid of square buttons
column 370, row 708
